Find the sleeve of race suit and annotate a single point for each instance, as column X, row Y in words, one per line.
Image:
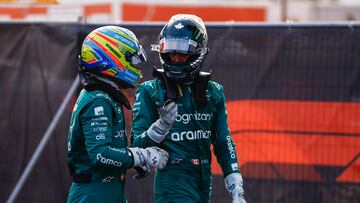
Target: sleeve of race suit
column 96, row 121
column 144, row 115
column 224, row 147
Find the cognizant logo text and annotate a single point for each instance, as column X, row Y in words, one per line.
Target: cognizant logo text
column 191, row 135
column 185, row 118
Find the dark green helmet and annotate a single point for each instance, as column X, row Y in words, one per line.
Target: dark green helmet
column 183, row 34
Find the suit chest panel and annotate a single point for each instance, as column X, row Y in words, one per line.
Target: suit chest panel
column 192, row 122
column 119, row 133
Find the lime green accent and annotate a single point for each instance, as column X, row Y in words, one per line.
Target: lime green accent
column 113, row 50
column 110, row 72
column 137, row 71
column 104, row 42
column 87, row 54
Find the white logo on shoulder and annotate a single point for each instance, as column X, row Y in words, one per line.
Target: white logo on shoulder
column 99, row 111
column 234, row 166
column 179, row 26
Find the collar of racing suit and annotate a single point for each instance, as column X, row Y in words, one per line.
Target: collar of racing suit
column 91, row 82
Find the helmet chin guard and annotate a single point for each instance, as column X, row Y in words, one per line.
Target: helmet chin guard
column 186, row 72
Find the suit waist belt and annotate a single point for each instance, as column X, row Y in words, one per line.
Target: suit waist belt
column 86, row 178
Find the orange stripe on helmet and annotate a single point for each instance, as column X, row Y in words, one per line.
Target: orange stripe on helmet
column 107, row 39
column 109, row 53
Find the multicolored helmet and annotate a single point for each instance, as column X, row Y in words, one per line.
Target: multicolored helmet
column 183, row 34
column 114, row 53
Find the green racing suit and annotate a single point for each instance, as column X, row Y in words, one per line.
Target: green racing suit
column 187, row 176
column 97, row 155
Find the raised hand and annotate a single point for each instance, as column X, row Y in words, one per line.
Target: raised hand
column 161, row 127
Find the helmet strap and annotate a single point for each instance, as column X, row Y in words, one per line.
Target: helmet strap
column 199, row 87
column 172, row 87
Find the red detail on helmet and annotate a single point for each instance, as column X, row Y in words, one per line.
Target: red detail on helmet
column 109, row 53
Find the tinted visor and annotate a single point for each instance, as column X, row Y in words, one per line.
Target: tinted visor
column 176, row 45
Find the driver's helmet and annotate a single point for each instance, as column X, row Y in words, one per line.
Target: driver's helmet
column 114, row 53
column 184, row 34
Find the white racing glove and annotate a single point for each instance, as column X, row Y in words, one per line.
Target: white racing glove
column 161, row 127
column 234, row 184
column 150, row 156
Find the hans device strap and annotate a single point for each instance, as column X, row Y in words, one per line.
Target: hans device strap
column 173, row 89
column 200, row 84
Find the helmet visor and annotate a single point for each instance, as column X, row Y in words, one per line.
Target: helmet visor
column 176, row 45
column 138, row 57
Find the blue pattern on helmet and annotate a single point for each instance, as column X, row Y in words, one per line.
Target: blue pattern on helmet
column 122, row 39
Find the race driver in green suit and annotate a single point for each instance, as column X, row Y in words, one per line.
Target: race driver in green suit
column 183, row 112
column 98, row 153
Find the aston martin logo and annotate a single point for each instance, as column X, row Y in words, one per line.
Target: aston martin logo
column 179, row 26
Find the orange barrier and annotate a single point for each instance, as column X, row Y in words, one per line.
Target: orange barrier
column 293, row 135
column 46, row 1
column 19, row 13
column 148, row 12
column 97, row 8
column 144, row 12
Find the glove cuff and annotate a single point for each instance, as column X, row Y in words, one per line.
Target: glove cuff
column 137, row 155
column 234, row 184
column 158, row 131
column 233, row 178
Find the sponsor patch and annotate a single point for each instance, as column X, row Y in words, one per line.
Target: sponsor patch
column 234, row 166
column 108, row 179
column 99, row 111
column 100, row 136
column 186, row 118
column 191, row 135
column 195, row 161
column 107, row 161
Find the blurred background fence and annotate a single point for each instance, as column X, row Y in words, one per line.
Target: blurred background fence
column 293, row 100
